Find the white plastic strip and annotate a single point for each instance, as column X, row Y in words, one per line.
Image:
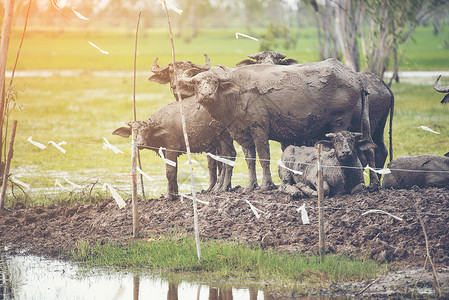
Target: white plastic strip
column 107, row 145
column 380, row 171
column 304, row 215
column 191, row 198
column 221, row 159
column 98, row 48
column 79, row 15
column 253, row 209
column 281, row 164
column 58, row 183
column 167, row 161
column 237, row 34
column 172, row 7
column 73, row 184
column 58, row 145
column 37, row 144
column 120, row 202
column 143, row 173
column 428, row 129
column 17, row 181
column 383, row 212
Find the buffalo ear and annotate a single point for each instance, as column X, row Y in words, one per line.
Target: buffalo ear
column 245, row 62
column 163, row 78
column 366, row 145
column 326, row 144
column 123, row 132
column 289, row 61
column 447, row 154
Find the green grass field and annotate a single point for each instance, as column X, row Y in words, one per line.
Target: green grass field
column 83, row 108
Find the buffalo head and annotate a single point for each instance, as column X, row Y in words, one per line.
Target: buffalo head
column 347, row 144
column 166, row 74
column 206, row 85
column 267, row 58
column 147, row 132
column 442, row 89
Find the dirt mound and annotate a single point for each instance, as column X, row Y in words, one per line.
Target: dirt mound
column 51, row 231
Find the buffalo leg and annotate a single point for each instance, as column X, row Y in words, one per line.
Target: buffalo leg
column 263, row 149
column 250, row 156
column 212, row 166
column 172, row 176
column 227, row 150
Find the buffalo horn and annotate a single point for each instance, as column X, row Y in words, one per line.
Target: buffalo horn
column 155, row 67
column 206, row 66
column 441, row 89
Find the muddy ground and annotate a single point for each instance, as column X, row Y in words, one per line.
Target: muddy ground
column 52, row 231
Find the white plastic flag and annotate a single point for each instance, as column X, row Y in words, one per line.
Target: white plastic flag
column 98, row 48
column 172, row 7
column 107, row 145
column 191, row 198
column 58, row 183
column 253, row 209
column 73, row 184
column 120, row 202
column 17, row 181
column 37, row 144
column 221, row 159
column 79, row 15
column 237, row 34
column 143, row 173
column 428, row 129
column 380, row 171
column 304, row 215
column 383, row 212
column 167, row 161
column 281, row 164
column 58, row 145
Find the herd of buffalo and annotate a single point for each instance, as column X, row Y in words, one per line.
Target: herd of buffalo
column 269, row 97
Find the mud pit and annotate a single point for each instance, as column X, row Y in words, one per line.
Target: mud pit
column 52, row 231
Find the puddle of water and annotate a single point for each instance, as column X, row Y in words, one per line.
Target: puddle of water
column 31, row 277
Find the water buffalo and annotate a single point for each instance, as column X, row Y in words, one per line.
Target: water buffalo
column 166, row 75
column 288, row 104
column 422, row 171
column 442, row 89
column 164, row 129
column 342, row 169
column 381, row 104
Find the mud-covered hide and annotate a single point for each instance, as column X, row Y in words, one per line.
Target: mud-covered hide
column 381, row 104
column 442, row 89
column 342, row 170
column 289, row 104
column 267, row 57
column 166, row 75
column 422, row 171
column 164, row 129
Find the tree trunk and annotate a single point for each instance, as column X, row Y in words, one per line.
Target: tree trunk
column 4, row 44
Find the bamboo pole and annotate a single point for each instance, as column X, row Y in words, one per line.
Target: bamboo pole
column 186, row 139
column 134, row 102
column 321, row 245
column 134, row 184
column 8, row 163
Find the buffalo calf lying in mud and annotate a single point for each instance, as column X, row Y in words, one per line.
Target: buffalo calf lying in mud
column 164, row 129
column 342, row 169
column 422, row 171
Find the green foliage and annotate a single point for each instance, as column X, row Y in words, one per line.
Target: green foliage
column 232, row 260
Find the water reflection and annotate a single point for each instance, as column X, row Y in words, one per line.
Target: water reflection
column 31, row 277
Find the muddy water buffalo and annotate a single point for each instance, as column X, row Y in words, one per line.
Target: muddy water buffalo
column 381, row 104
column 442, row 89
column 166, row 75
column 288, row 104
column 342, row 169
column 422, row 171
column 164, row 129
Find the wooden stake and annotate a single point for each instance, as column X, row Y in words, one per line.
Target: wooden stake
column 321, row 246
column 134, row 184
column 186, row 139
column 8, row 163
